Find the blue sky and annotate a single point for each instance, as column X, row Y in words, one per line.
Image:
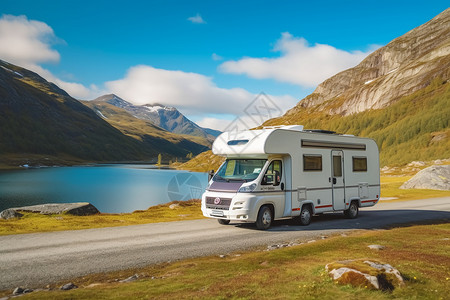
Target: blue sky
column 208, row 58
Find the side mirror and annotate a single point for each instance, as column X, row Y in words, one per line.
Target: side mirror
column 210, row 175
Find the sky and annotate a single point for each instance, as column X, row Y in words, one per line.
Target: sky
column 210, row 59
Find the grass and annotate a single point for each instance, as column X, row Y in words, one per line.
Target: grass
column 390, row 187
column 421, row 253
column 32, row 222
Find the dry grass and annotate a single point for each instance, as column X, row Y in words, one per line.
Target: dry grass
column 390, row 187
column 421, row 253
column 32, row 222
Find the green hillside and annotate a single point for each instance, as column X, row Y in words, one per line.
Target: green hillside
column 40, row 124
column 416, row 127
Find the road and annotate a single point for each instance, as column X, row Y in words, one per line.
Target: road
column 35, row 260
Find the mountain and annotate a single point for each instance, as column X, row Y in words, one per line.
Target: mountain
column 405, row 65
column 41, row 124
column 151, row 135
column 165, row 117
column 399, row 95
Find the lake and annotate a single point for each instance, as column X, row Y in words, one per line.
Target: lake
column 110, row 188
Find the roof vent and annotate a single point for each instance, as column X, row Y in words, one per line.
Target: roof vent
column 320, row 131
column 286, row 127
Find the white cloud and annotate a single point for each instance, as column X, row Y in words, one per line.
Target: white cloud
column 197, row 19
column 216, row 57
column 299, row 62
column 193, row 94
column 27, row 43
column 213, row 123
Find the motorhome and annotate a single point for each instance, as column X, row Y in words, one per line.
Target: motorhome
column 288, row 172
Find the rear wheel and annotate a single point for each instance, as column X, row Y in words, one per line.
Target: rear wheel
column 264, row 219
column 305, row 215
column 352, row 211
column 223, row 221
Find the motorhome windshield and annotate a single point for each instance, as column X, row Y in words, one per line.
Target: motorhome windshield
column 240, row 170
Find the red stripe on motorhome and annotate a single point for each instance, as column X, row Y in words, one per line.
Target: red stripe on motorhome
column 323, row 206
column 366, row 201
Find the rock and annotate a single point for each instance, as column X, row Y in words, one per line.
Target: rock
column 173, row 206
column 68, row 286
column 416, row 164
column 18, row 291
column 130, row 279
column 76, row 209
column 370, row 274
column 434, row 177
column 10, row 214
column 376, row 247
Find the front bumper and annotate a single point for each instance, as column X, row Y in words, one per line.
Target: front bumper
column 241, row 207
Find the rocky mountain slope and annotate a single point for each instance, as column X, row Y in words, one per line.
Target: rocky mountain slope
column 405, row 65
column 168, row 118
column 399, row 95
column 41, row 124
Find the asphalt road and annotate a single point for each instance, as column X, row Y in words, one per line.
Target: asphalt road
column 35, row 260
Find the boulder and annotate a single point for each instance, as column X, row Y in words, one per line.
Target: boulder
column 434, row 178
column 10, row 214
column 130, row 279
column 365, row 273
column 76, row 209
column 376, row 247
column 68, row 286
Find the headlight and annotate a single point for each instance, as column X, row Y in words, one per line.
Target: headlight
column 248, row 188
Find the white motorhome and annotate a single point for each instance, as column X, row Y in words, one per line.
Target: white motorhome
column 288, row 172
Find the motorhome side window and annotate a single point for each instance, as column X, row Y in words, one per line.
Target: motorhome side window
column 359, row 164
column 273, row 173
column 312, row 162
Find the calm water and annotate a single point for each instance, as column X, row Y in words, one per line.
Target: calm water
column 110, row 188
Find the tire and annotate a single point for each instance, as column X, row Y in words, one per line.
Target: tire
column 352, row 211
column 264, row 219
column 223, row 221
column 305, row 215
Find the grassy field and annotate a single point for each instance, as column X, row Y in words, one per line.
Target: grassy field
column 31, row 222
column 390, row 187
column 421, row 253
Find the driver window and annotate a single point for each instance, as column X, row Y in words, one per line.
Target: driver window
column 273, row 171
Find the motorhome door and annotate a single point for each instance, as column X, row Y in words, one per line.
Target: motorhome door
column 337, row 179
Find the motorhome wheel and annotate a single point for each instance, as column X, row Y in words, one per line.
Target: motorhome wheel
column 305, row 215
column 264, row 219
column 352, row 211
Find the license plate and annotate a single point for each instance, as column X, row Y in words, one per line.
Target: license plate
column 217, row 213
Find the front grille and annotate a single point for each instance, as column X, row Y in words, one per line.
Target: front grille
column 223, row 204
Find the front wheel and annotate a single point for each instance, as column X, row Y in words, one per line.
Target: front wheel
column 352, row 211
column 305, row 215
column 223, row 221
column 264, row 219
